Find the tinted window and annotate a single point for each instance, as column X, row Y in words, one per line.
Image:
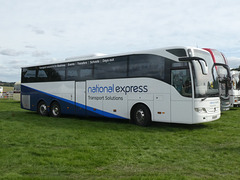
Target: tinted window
column 111, row 68
column 146, row 65
column 72, row 73
column 51, row 73
column 56, row 74
column 177, row 52
column 29, row 74
column 78, row 73
column 86, row 72
column 140, row 65
column 42, row 74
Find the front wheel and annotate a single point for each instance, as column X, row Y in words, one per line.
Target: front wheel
column 141, row 115
column 55, row 110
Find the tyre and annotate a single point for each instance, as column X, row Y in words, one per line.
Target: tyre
column 55, row 110
column 141, row 115
column 42, row 108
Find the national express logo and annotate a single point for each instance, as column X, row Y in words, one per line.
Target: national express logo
column 118, row 89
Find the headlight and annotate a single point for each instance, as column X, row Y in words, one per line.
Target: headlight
column 201, row 110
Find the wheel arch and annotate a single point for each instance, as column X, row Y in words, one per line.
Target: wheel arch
column 41, row 100
column 135, row 105
column 53, row 101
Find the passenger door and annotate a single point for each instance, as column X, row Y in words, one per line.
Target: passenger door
column 181, row 101
column 81, row 98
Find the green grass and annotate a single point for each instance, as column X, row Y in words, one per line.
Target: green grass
column 35, row 147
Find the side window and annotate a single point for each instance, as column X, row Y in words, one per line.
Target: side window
column 41, row 76
column 56, row 74
column 178, row 52
column 79, row 72
column 147, row 65
column 116, row 68
column 72, row 73
column 86, row 72
column 52, row 72
column 181, row 80
column 29, row 74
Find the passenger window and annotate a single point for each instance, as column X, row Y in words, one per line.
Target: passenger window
column 42, row 74
column 147, row 65
column 115, row 69
column 181, row 80
column 72, row 73
column 56, row 74
column 30, row 73
column 86, row 72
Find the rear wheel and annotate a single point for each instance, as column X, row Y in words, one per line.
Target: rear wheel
column 141, row 115
column 55, row 110
column 42, row 108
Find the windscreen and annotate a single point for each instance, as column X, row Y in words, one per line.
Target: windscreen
column 223, row 74
column 205, row 85
column 236, row 81
column 218, row 57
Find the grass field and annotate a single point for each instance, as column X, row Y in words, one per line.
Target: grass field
column 35, row 147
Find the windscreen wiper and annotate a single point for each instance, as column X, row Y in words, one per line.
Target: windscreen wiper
column 204, row 98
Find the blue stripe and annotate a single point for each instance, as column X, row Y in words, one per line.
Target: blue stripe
column 89, row 111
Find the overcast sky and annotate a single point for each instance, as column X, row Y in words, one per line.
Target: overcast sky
column 43, row 31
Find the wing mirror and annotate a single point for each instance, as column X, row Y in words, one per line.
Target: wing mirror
column 201, row 61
